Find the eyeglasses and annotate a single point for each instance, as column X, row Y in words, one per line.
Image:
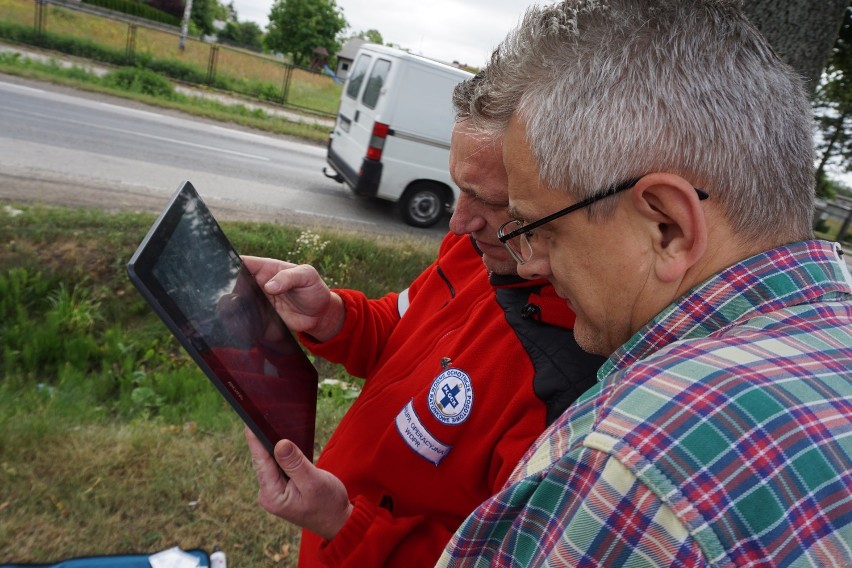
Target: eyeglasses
column 517, row 239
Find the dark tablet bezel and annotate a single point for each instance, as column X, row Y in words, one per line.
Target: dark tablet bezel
column 141, row 271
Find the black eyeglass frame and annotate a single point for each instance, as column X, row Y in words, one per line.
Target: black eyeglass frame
column 611, row 190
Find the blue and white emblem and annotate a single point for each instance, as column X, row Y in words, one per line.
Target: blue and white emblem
column 451, row 396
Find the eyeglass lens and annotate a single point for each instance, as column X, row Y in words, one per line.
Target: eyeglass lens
column 520, row 246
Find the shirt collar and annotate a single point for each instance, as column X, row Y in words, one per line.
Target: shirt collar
column 798, row 273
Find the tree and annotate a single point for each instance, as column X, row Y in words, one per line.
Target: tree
column 173, row 7
column 833, row 110
column 242, row 34
column 298, row 27
column 373, row 36
column 205, row 12
column 801, row 31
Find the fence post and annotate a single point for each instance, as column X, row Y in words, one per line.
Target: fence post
column 130, row 49
column 285, row 88
column 40, row 16
column 211, row 63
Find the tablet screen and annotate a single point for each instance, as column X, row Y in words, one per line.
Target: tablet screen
column 193, row 278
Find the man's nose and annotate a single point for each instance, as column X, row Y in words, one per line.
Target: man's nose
column 466, row 219
column 535, row 268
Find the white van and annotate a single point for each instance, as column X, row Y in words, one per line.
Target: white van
column 391, row 139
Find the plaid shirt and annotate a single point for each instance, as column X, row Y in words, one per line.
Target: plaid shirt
column 720, row 435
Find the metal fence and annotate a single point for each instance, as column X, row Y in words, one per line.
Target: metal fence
column 244, row 71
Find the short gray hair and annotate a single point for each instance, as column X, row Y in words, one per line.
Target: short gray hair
column 611, row 90
column 463, row 95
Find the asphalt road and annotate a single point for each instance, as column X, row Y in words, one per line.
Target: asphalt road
column 68, row 147
column 63, row 146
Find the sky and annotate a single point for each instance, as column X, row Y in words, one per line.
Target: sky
column 447, row 30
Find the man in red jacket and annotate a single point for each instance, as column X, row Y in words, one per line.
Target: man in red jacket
column 464, row 369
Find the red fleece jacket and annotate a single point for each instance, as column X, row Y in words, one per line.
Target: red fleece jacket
column 448, row 408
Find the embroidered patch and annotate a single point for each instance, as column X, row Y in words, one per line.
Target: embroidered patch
column 418, row 438
column 451, row 396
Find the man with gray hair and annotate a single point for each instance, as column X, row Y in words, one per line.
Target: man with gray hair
column 463, row 370
column 659, row 157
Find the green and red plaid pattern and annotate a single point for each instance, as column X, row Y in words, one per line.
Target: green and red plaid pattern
column 719, row 435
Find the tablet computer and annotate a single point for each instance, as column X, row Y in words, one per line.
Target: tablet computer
column 190, row 274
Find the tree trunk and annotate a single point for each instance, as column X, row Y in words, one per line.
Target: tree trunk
column 801, row 31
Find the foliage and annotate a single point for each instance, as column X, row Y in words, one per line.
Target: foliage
column 242, row 34
column 372, row 36
column 833, row 110
column 834, row 187
column 137, row 9
column 70, row 490
column 205, row 12
column 71, row 321
column 142, row 81
column 111, row 439
column 72, row 46
column 247, row 35
column 298, row 27
column 79, row 77
column 173, row 7
column 175, row 69
column 253, row 75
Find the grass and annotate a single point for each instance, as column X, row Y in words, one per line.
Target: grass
column 118, row 43
column 150, row 88
column 830, row 230
column 111, row 441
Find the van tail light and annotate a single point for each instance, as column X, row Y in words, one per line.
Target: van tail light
column 377, row 141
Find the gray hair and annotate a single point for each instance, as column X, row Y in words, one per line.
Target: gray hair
column 463, row 95
column 611, row 90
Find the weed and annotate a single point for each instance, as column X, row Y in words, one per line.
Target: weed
column 309, row 247
column 111, row 439
column 143, row 81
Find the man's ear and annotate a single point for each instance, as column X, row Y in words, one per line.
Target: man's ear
column 669, row 208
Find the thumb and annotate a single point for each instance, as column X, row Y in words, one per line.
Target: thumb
column 291, row 459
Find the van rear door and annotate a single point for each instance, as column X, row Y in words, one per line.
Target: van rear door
column 359, row 107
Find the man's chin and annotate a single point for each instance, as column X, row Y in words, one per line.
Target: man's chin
column 591, row 339
column 502, row 267
column 589, row 342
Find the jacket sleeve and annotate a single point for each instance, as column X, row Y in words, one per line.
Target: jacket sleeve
column 367, row 327
column 374, row 537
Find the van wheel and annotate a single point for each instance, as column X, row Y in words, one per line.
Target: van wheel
column 422, row 205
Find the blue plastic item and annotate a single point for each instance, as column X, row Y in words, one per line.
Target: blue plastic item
column 112, row 561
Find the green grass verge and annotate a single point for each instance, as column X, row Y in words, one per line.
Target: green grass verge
column 151, row 88
column 110, row 439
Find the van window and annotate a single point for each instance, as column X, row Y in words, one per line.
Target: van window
column 357, row 76
column 378, row 77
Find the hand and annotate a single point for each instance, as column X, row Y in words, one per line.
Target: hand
column 299, row 295
column 312, row 498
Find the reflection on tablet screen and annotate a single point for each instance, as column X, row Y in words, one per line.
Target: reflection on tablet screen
column 199, row 286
